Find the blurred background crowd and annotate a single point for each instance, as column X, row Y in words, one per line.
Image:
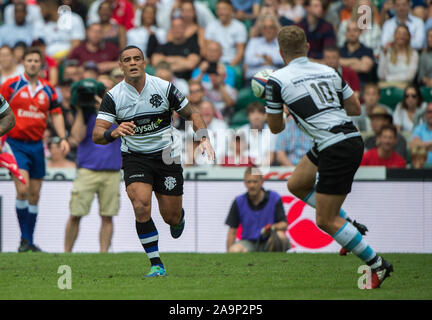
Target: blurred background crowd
column 211, row 49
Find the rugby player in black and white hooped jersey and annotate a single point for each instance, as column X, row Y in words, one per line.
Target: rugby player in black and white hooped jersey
column 142, row 105
column 320, row 103
column 7, row 118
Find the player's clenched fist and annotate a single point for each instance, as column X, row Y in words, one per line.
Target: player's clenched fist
column 124, row 129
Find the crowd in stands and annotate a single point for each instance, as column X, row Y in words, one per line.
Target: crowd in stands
column 210, row 50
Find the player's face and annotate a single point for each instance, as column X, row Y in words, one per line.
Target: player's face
column 253, row 184
column 32, row 64
column 132, row 64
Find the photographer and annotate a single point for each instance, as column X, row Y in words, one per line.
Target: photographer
column 218, row 80
column 98, row 166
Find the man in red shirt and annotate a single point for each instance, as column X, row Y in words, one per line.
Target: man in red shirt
column 31, row 99
column 384, row 154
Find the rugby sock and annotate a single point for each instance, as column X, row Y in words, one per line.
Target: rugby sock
column 349, row 237
column 31, row 220
column 310, row 200
column 22, row 213
column 149, row 237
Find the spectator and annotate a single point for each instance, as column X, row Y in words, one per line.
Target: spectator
column 62, row 31
column 261, row 141
column 370, row 33
column 77, row 7
column 117, row 75
column 384, row 154
column 424, row 77
column 403, row 17
column 122, row 12
column 422, row 134
column 246, row 10
column 371, row 96
column 332, row 59
column 345, row 12
column 33, row 14
column 418, row 157
column 378, row 119
column 407, row 110
column 269, row 8
column 65, row 93
column 291, row 144
column 50, row 70
column 260, row 214
column 58, row 159
column 229, row 32
column 292, row 10
column 398, row 65
column 357, row 56
column 112, row 30
column 238, row 153
column 218, row 80
column 163, row 71
column 98, row 171
column 104, row 54
column 71, row 70
column 18, row 30
column 182, row 54
column 8, row 67
column 147, row 36
column 106, row 81
column 91, row 70
column 263, row 52
column 18, row 51
column 319, row 32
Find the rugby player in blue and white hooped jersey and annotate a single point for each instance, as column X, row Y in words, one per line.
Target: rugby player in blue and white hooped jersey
column 142, row 105
column 320, row 103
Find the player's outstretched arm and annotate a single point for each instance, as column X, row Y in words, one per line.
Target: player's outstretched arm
column 103, row 135
column 7, row 121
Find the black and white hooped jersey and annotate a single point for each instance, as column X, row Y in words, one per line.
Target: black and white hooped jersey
column 3, row 104
column 151, row 111
column 314, row 95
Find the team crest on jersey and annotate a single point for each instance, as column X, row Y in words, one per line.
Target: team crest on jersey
column 156, row 100
column 170, row 183
column 24, row 95
column 41, row 98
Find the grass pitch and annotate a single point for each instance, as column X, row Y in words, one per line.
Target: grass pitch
column 209, row 276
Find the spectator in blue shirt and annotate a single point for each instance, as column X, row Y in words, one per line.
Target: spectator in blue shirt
column 422, row 134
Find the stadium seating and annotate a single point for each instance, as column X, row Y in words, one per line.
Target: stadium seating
column 239, row 118
column 391, row 96
column 426, row 93
column 245, row 96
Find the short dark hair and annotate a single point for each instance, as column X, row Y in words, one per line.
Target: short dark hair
column 32, row 50
column 50, row 2
column 255, row 106
column 390, row 127
column 128, row 48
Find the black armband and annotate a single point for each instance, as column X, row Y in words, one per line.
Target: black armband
column 107, row 135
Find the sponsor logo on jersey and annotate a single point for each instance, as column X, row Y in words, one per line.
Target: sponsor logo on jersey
column 156, row 100
column 33, row 113
column 154, row 125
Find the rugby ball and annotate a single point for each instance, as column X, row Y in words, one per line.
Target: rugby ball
column 259, row 81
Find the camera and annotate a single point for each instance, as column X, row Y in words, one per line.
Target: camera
column 212, row 68
column 83, row 94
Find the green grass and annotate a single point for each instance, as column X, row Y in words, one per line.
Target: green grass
column 209, row 276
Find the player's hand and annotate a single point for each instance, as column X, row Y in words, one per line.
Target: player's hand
column 124, row 129
column 206, row 147
column 64, row 146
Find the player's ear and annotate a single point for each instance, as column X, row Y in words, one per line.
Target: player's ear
column 307, row 47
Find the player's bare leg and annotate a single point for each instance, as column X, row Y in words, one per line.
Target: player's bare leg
column 105, row 234
column 140, row 195
column 171, row 210
column 22, row 206
column 71, row 232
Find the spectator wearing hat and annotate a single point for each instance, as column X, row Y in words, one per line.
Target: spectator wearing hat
column 384, row 154
column 18, row 30
column 105, row 54
column 378, row 119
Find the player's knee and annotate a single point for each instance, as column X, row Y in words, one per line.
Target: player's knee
column 23, row 193
column 323, row 223
column 142, row 209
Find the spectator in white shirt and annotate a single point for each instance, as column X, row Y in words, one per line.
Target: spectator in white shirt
column 263, row 52
column 33, row 13
column 18, row 30
column 403, row 17
column 229, row 32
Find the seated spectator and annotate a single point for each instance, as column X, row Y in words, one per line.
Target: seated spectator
column 33, row 13
column 122, row 12
column 260, row 214
column 90, row 70
column 182, row 54
column 8, row 66
column 218, row 80
column 78, row 7
column 104, row 54
column 117, row 75
column 229, row 32
column 398, row 65
column 64, row 90
column 261, row 141
column 61, row 31
column 384, row 154
column 403, row 17
column 246, row 10
column 238, row 152
column 292, row 10
column 357, row 56
column 112, row 30
column 18, row 51
column 371, row 97
column 263, row 52
column 378, row 119
column 163, row 71
column 424, row 77
column 370, row 35
column 106, row 81
column 72, row 71
column 332, row 59
column 49, row 70
column 407, row 110
column 269, row 8
column 58, row 158
column 418, row 157
column 422, row 134
column 291, row 144
column 147, row 36
column 319, row 32
column 18, row 30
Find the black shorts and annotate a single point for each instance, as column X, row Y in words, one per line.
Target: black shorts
column 337, row 165
column 165, row 179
